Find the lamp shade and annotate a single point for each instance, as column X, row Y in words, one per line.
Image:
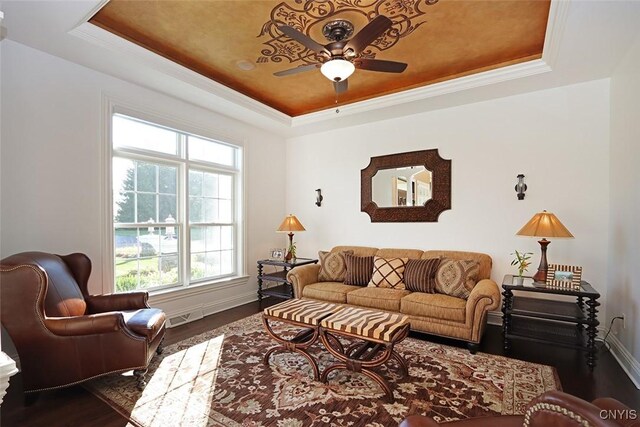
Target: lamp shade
column 289, row 224
column 337, row 70
column 544, row 224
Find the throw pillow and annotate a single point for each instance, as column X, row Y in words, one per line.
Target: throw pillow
column 388, row 273
column 333, row 267
column 457, row 277
column 420, row 275
column 359, row 269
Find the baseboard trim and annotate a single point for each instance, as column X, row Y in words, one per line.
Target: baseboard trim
column 627, row 362
column 191, row 314
column 494, row 318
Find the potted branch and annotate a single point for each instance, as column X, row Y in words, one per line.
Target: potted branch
column 521, row 260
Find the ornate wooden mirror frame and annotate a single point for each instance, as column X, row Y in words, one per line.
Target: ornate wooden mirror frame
column 441, row 188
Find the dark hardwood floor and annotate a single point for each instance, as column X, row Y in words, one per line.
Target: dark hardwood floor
column 73, row 406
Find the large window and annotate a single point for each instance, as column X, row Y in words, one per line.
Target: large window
column 175, row 206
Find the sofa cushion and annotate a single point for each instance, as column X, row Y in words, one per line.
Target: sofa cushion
column 420, row 275
column 388, row 273
column 359, row 270
column 328, row 291
column 381, row 298
column 457, row 277
column 483, row 259
column 333, row 267
column 434, row 305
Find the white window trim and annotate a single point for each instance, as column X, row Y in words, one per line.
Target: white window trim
column 111, row 106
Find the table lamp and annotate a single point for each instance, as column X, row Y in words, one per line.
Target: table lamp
column 290, row 224
column 544, row 224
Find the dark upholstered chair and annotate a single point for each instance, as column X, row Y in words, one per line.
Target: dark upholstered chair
column 64, row 335
column 550, row 409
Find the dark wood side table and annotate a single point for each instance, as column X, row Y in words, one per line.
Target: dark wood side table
column 563, row 323
column 284, row 289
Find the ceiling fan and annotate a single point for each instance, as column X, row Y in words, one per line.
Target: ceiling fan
column 340, row 57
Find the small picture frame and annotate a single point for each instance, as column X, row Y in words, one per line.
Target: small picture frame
column 277, row 254
column 565, row 276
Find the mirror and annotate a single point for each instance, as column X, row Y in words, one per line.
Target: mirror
column 406, row 187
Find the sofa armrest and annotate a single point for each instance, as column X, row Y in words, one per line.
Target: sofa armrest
column 484, row 297
column 85, row 325
column 303, row 276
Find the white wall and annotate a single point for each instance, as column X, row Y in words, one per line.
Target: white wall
column 52, row 165
column 624, row 231
column 558, row 138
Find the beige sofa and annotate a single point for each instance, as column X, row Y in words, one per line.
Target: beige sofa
column 435, row 314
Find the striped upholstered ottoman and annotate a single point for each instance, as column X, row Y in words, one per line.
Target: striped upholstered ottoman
column 304, row 313
column 376, row 332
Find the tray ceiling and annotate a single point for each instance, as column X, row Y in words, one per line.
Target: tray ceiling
column 236, row 43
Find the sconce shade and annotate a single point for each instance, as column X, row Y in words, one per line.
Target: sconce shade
column 544, row 224
column 290, row 224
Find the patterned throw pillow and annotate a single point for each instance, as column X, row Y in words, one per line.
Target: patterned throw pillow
column 420, row 275
column 333, row 267
column 359, row 270
column 388, row 273
column 456, row 277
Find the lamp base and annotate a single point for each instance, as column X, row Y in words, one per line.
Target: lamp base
column 289, row 256
column 541, row 275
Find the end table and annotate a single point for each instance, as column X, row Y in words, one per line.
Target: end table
column 285, row 289
column 562, row 323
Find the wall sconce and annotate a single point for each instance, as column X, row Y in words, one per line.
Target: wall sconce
column 521, row 187
column 319, row 197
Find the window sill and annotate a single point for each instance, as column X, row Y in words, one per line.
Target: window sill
column 164, row 295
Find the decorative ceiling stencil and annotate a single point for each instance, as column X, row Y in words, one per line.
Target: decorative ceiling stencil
column 407, row 16
column 438, row 39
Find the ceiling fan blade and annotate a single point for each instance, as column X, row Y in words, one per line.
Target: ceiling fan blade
column 296, row 70
column 368, row 34
column 380, row 65
column 341, row 86
column 303, row 39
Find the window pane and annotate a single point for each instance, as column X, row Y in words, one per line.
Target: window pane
column 226, row 262
column 195, row 183
column 149, row 270
column 195, row 209
column 212, row 264
column 169, row 240
column 124, row 203
column 225, row 211
column 197, row 266
column 135, row 134
column 146, row 204
column 213, row 238
column 146, row 177
column 169, row 270
column 210, row 210
column 226, row 238
column 226, row 187
column 211, row 151
column 210, row 185
column 198, row 239
column 168, row 207
column 167, row 176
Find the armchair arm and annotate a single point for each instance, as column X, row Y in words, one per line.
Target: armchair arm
column 85, row 325
column 555, row 408
column 116, row 302
column 484, row 297
column 303, row 276
column 418, row 421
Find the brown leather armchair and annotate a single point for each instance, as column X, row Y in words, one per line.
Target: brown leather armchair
column 550, row 409
column 64, row 335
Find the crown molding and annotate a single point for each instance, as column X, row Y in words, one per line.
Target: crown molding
column 99, row 37
column 556, row 23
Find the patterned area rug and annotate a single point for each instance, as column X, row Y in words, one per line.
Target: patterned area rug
column 218, row 379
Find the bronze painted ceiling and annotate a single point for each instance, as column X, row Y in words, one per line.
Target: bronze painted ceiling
column 440, row 40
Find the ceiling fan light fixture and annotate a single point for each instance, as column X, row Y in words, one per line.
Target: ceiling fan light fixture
column 337, row 69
